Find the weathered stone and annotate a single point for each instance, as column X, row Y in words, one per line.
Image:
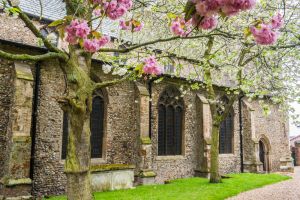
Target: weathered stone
column 112, row 180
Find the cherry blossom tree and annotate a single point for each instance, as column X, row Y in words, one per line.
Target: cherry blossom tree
column 217, row 37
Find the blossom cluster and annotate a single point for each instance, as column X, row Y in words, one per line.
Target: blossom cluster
column 132, row 25
column 180, row 27
column 93, row 45
column 266, row 33
column 77, row 30
column 206, row 12
column 114, row 9
column 151, row 66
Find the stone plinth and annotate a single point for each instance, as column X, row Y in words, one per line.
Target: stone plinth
column 112, row 177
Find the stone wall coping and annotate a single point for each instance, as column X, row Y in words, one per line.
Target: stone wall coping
column 202, row 98
column 111, row 167
column 142, row 89
column 21, row 138
column 145, row 140
column 23, row 71
column 172, row 157
column 287, row 159
column 227, row 155
column 14, row 182
column 147, row 174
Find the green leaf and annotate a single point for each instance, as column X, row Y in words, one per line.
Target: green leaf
column 56, row 23
column 189, row 10
column 171, row 15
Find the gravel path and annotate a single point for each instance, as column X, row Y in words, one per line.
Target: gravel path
column 286, row 190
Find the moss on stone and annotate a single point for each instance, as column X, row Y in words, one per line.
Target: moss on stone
column 23, row 75
column 146, row 140
column 23, row 139
column 145, row 174
column 208, row 141
column 21, row 181
column 109, row 167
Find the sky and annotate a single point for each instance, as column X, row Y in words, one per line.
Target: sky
column 293, row 129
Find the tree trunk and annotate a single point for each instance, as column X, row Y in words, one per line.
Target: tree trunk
column 78, row 104
column 78, row 157
column 214, row 160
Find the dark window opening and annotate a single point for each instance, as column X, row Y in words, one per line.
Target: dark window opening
column 170, row 120
column 97, row 116
column 65, row 136
column 96, row 127
column 226, row 135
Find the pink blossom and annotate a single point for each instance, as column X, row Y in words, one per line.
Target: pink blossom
column 91, row 45
column 77, row 29
column 138, row 27
column 125, row 25
column 126, row 3
column 151, row 67
column 82, row 29
column 97, row 12
column 103, row 40
column 277, row 21
column 201, row 8
column 116, row 13
column 230, row 10
column 208, row 23
column 232, row 7
column 71, row 39
column 264, row 35
column 117, row 8
column 180, row 27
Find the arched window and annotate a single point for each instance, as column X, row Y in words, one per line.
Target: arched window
column 170, row 120
column 226, row 132
column 96, row 127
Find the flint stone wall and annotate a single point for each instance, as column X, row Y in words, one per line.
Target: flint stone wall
column 120, row 138
column 7, row 75
column 275, row 128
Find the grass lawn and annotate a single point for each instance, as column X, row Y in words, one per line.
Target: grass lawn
column 191, row 188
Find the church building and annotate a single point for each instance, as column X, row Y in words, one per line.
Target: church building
column 142, row 132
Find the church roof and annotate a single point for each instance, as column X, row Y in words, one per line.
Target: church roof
column 56, row 9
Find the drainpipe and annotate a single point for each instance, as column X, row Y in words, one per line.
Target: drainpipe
column 241, row 133
column 34, row 115
column 150, row 107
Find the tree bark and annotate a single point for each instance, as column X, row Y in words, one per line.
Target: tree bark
column 78, row 105
column 214, row 162
column 78, row 157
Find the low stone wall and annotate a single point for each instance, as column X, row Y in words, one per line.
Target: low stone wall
column 112, row 177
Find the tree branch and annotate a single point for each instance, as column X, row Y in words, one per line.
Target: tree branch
column 109, row 83
column 128, row 49
column 46, row 56
column 34, row 30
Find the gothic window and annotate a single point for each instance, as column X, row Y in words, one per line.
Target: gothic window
column 65, row 136
column 170, row 120
column 169, row 69
column 96, row 127
column 226, row 135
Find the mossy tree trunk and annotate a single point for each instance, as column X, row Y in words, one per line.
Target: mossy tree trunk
column 77, row 104
column 214, row 162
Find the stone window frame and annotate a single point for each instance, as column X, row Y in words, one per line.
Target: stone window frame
column 103, row 159
column 182, row 155
column 224, row 99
